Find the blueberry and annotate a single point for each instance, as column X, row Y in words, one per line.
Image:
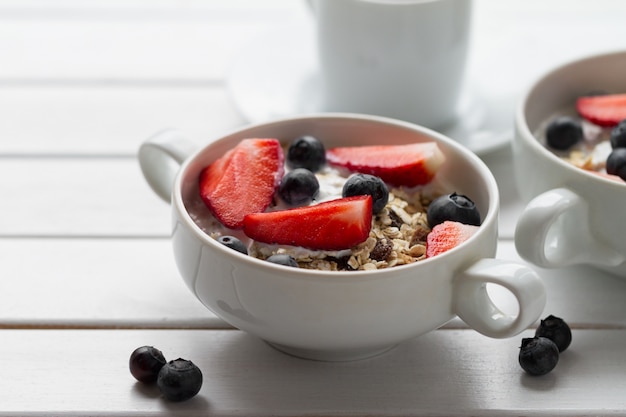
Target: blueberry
column 145, row 363
column 283, row 259
column 453, row 207
column 538, row 355
column 616, row 163
column 564, row 132
column 233, row 243
column 298, row 187
column 306, row 152
column 618, row 135
column 365, row 184
column 179, row 380
column 555, row 329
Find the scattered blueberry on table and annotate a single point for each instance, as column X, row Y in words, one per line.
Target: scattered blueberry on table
column 145, row 363
column 178, row 380
column 555, row 329
column 539, row 355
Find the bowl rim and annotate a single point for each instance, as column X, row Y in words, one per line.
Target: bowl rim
column 524, row 133
column 491, row 217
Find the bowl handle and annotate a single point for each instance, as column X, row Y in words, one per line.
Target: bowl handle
column 160, row 158
column 476, row 308
column 553, row 231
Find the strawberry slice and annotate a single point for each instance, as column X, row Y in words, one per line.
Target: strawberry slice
column 243, row 180
column 606, row 110
column 447, row 235
column 408, row 165
column 331, row 225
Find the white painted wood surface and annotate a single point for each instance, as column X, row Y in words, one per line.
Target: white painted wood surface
column 86, row 271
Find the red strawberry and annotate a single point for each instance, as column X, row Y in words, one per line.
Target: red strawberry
column 332, row 225
column 243, row 180
column 446, row 236
column 409, row 165
column 606, row 110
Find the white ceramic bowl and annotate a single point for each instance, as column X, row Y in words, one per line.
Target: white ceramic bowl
column 343, row 315
column 573, row 216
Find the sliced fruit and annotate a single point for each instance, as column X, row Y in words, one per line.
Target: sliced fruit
column 446, row 236
column 399, row 165
column 605, row 110
column 331, row 225
column 243, row 180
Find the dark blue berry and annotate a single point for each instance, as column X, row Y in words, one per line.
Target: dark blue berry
column 365, row 184
column 564, row 132
column 618, row 135
column 145, row 363
column 454, row 207
column 298, row 187
column 555, row 329
column 179, row 380
column 538, row 355
column 283, row 259
column 306, row 152
column 233, row 243
column 616, row 163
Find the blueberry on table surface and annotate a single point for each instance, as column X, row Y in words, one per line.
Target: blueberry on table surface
column 618, row 135
column 563, row 132
column 233, row 243
column 453, row 207
column 365, row 184
column 306, row 152
column 283, row 259
column 299, row 187
column 616, row 163
column 179, row 380
column 145, row 363
column 557, row 330
column 538, row 355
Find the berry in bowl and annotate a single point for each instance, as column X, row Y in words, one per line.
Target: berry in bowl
column 591, row 134
column 388, row 232
column 311, row 206
column 569, row 160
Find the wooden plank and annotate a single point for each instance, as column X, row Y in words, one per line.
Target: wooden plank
column 109, row 283
column 79, row 197
column 96, row 283
column 108, row 119
column 446, row 372
column 140, row 40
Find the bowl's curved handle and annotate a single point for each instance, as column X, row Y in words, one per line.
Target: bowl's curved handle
column 160, row 158
column 475, row 307
column 554, row 231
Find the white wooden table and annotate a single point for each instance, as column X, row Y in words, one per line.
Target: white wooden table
column 86, row 270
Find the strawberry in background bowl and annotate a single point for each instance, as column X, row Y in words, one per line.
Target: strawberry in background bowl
column 333, row 314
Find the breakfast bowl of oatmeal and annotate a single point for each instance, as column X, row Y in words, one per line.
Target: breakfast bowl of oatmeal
column 570, row 165
column 338, row 236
